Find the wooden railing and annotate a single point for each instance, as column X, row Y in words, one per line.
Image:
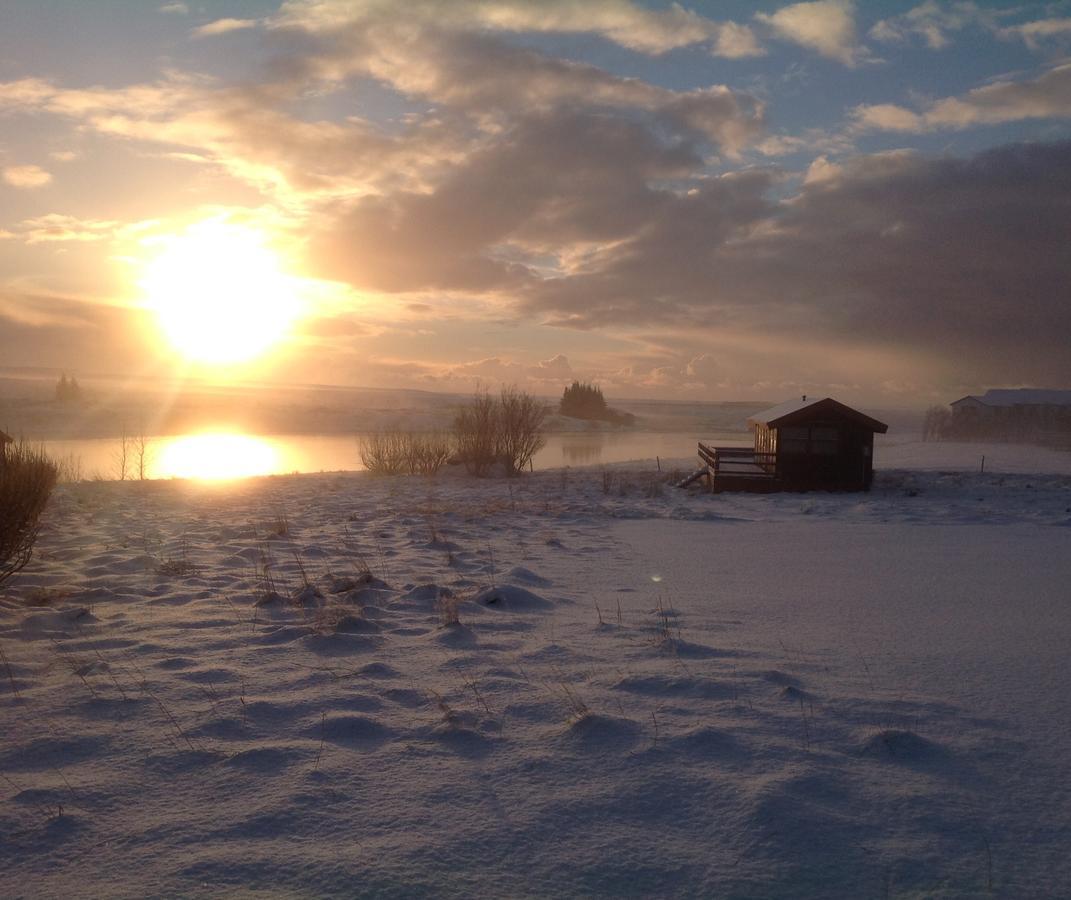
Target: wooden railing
column 737, row 461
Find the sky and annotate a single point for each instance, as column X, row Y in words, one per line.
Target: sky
column 689, row 201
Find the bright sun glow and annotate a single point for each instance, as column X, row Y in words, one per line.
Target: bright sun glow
column 219, row 293
column 216, row 457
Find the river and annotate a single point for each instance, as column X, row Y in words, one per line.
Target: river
column 231, row 455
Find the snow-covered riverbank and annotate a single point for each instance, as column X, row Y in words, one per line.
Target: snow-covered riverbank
column 577, row 682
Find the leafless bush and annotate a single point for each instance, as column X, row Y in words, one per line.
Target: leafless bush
column 69, row 468
column 142, row 455
column 427, row 453
column 520, row 427
column 27, row 476
column 476, row 433
column 122, row 456
column 405, row 452
column 507, row 428
column 384, row 453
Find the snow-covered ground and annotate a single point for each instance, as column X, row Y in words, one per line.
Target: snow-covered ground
column 254, row 689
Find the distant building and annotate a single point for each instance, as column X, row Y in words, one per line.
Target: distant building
column 1010, row 398
column 1009, row 414
column 800, row 445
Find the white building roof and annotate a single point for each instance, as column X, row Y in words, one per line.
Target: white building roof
column 1025, row 397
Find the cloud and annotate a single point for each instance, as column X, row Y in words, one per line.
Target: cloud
column 550, row 186
column 887, row 117
column 954, row 260
column 1035, row 34
column 246, row 132
column 468, row 85
column 1045, row 97
column 737, row 42
column 47, row 330
column 825, row 26
column 933, row 22
column 479, row 74
column 223, row 26
column 625, row 23
column 59, row 228
column 174, row 9
column 26, row 177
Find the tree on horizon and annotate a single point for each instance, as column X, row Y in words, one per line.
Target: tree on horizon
column 583, row 400
column 68, row 390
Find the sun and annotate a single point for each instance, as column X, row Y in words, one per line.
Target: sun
column 219, row 293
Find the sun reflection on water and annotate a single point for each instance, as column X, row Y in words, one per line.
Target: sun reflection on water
column 215, row 456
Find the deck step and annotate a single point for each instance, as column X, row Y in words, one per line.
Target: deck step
column 695, row 476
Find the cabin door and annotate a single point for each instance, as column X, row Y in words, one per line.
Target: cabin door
column 856, row 460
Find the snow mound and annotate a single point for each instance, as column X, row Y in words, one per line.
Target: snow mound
column 903, row 746
column 513, row 598
column 596, row 732
column 455, row 635
column 350, row 731
column 706, row 742
column 527, row 576
column 266, row 760
column 674, row 686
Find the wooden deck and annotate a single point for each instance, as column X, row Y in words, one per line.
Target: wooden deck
column 735, row 469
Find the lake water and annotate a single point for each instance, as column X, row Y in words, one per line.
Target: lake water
column 222, row 456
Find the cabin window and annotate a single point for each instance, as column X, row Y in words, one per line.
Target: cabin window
column 817, row 440
column 825, row 441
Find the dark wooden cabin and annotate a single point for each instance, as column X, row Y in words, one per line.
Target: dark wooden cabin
column 801, row 445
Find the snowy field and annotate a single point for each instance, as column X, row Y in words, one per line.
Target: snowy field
column 576, row 683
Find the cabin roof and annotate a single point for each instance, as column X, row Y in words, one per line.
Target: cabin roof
column 794, row 411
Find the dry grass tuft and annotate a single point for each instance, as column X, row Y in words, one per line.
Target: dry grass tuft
column 447, row 604
column 42, row 596
column 180, row 566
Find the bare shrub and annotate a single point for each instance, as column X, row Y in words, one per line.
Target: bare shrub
column 520, row 425
column 142, row 453
column 122, row 456
column 27, row 476
column 69, row 468
column 506, row 429
column 428, row 453
column 405, row 452
column 384, row 453
column 476, row 433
